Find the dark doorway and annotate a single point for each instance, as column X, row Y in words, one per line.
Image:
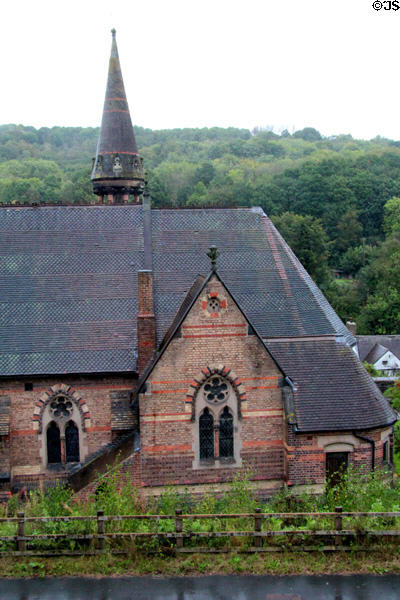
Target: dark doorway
column 206, row 435
column 53, row 444
column 226, row 434
column 336, row 465
column 71, row 443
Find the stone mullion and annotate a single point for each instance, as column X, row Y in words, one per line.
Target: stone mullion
column 63, row 448
column 216, row 441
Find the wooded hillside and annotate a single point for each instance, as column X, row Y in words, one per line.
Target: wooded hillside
column 336, row 200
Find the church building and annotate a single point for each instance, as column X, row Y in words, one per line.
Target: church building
column 189, row 344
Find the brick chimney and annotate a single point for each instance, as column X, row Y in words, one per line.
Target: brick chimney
column 352, row 327
column 146, row 322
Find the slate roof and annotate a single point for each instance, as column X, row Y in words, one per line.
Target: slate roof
column 333, row 389
column 376, row 353
column 68, row 281
column 68, row 289
column 367, row 343
column 265, row 277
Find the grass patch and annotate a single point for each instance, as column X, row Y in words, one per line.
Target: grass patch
column 312, row 563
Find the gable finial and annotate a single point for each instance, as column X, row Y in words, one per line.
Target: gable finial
column 213, row 255
column 113, row 32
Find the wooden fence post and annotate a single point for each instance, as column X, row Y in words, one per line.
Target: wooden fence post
column 100, row 530
column 338, row 524
column 179, row 526
column 21, row 544
column 257, row 527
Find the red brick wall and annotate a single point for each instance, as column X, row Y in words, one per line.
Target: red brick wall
column 166, row 430
column 307, row 458
column 146, row 323
column 24, row 448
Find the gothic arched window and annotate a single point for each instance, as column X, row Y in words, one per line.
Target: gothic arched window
column 53, row 443
column 226, row 434
column 206, row 435
column 62, row 429
column 71, row 443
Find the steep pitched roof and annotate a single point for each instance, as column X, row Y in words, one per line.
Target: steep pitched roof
column 333, row 390
column 68, row 281
column 267, row 280
column 376, row 353
column 193, row 294
column 366, row 344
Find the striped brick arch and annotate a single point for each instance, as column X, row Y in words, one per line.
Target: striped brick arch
column 54, row 392
column 206, row 373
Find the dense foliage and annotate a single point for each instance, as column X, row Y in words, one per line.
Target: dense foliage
column 357, row 491
column 336, row 200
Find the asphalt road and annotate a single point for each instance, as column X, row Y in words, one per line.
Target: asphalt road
column 330, row 587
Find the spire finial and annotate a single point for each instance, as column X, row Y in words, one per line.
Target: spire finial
column 113, row 32
column 213, row 255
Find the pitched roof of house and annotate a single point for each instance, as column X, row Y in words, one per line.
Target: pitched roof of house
column 370, row 347
column 376, row 353
column 68, row 281
column 333, row 391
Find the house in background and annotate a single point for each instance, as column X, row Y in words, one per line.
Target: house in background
column 112, row 344
column 383, row 353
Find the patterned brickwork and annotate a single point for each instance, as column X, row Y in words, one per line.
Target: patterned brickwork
column 208, row 343
column 21, row 452
column 307, row 453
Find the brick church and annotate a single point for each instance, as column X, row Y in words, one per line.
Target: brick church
column 189, row 343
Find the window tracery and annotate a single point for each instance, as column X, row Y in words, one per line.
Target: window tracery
column 216, row 390
column 206, row 435
column 71, row 442
column 226, row 434
column 61, row 428
column 216, row 422
column 61, row 407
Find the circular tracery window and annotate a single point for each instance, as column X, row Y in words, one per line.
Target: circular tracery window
column 216, row 390
column 61, row 407
column 213, row 305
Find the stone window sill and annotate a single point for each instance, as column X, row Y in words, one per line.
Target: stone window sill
column 216, row 463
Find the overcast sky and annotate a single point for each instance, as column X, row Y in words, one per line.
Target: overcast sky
column 332, row 65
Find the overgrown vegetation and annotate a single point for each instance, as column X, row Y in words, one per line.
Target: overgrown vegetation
column 357, row 491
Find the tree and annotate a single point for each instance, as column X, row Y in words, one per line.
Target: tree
column 391, row 216
column 309, row 134
column 199, row 196
column 356, row 258
column 381, row 282
column 308, row 240
column 345, row 297
column 349, row 231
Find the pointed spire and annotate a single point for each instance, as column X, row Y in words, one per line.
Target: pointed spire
column 117, row 169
